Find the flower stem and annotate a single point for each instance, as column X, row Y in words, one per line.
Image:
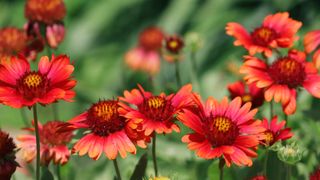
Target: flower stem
column 58, row 172
column 193, row 62
column 154, row 155
column 288, row 177
column 286, row 118
column 265, row 165
column 271, row 110
column 116, row 167
column 55, row 111
column 35, row 117
column 221, row 165
column 177, row 73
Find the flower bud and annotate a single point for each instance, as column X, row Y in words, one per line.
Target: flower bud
column 290, row 153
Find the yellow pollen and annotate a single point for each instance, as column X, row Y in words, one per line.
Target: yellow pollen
column 155, row 102
column 265, row 33
column 269, row 138
column 173, row 44
column 32, row 80
column 105, row 111
column 246, row 98
column 288, row 66
column 222, row 124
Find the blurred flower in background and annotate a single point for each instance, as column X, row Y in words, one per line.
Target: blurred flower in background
column 173, row 46
column 315, row 175
column 8, row 149
column 53, row 144
column 146, row 55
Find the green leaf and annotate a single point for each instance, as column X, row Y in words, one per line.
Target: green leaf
column 140, row 169
column 46, row 174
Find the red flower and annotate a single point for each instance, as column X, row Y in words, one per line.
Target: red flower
column 45, row 11
column 277, row 30
column 315, row 175
column 55, row 35
column 174, row 44
column 145, row 56
column 109, row 131
column 311, row 41
column 223, row 129
column 8, row 164
column 259, row 177
column 275, row 132
column 282, row 77
column 248, row 93
column 20, row 86
column 53, row 144
column 12, row 41
column 156, row 112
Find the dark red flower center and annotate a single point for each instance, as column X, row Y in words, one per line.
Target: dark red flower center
column 221, row 131
column 269, row 140
column 157, row 108
column 174, row 44
column 7, row 145
column 32, row 85
column 263, row 36
column 287, row 71
column 49, row 134
column 103, row 118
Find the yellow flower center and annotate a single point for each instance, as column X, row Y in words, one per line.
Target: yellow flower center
column 222, row 124
column 269, row 138
column 173, row 44
column 32, row 80
column 265, row 33
column 156, row 102
column 246, row 98
column 105, row 111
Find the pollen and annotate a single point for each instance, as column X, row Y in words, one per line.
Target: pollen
column 263, row 36
column 269, row 138
column 222, row 124
column 32, row 80
column 156, row 102
column 246, row 98
column 173, row 44
column 105, row 110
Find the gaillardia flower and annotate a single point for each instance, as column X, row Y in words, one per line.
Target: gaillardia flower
column 45, row 11
column 223, row 130
column 275, row 131
column 156, row 112
column 282, row 77
column 12, row 41
column 311, row 41
column 145, row 57
column 53, row 144
column 20, row 86
column 277, row 30
column 173, row 46
column 248, row 93
column 109, row 132
column 8, row 164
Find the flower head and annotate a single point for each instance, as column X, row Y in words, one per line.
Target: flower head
column 275, row 131
column 174, row 44
column 277, row 30
column 53, row 144
column 311, row 41
column 145, row 57
column 291, row 153
column 156, row 112
column 223, row 129
column 45, row 11
column 259, row 177
column 109, row 131
column 55, row 34
column 315, row 175
column 248, row 93
column 8, row 164
column 20, row 86
column 194, row 41
column 282, row 77
column 12, row 41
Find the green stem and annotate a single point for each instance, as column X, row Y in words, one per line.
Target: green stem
column 177, row 73
column 221, row 165
column 288, row 172
column 286, row 118
column 58, row 172
column 271, row 110
column 154, row 155
column 24, row 117
column 193, row 62
column 55, row 111
column 151, row 82
column 35, row 116
column 116, row 167
column 265, row 165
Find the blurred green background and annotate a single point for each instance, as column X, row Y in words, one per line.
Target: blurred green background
column 100, row 32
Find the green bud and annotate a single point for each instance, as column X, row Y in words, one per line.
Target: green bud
column 290, row 153
column 193, row 41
